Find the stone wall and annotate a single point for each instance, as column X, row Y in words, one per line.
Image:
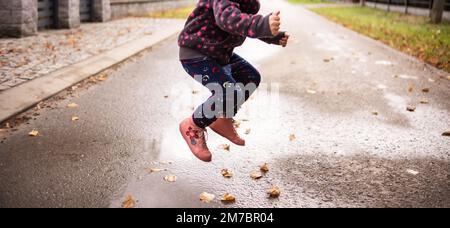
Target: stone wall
column 123, row 8
column 18, row 18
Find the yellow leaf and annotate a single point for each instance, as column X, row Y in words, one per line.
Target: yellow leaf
column 255, row 175
column 424, row 101
column 33, row 133
column 264, row 168
column 129, row 202
column 225, row 147
column 155, row 170
column 72, row 105
column 274, row 192
column 75, row 118
column 170, row 178
column 228, row 198
column 102, row 77
column 311, row 91
column 292, row 137
column 236, row 123
column 206, row 197
column 226, row 173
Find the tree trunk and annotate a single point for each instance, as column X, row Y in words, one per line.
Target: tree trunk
column 437, row 11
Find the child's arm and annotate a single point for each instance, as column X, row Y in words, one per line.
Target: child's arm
column 230, row 19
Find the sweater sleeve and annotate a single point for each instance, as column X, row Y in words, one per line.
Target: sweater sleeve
column 229, row 18
column 274, row 39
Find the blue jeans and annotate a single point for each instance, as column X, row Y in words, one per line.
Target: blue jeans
column 231, row 85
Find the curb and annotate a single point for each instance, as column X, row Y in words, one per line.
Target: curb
column 22, row 97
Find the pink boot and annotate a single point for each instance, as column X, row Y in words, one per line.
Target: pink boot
column 225, row 128
column 195, row 138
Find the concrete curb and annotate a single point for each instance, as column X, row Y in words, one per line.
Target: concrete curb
column 20, row 98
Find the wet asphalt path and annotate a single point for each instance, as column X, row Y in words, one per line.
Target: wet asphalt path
column 330, row 82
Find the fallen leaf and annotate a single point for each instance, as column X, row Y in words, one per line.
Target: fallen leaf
column 424, row 101
column 274, row 192
column 264, row 168
column 413, row 172
column 410, row 88
column 236, row 123
column 170, row 178
column 206, row 197
column 448, row 78
column 129, row 202
column 327, row 60
column 245, row 120
column 247, row 132
column 311, row 91
column 166, row 96
column 72, row 105
column 165, row 162
column 228, row 198
column 431, row 80
column 33, row 133
column 224, row 147
column 426, row 90
column 226, row 173
column 194, row 92
column 255, row 175
column 102, row 77
column 411, row 108
column 75, row 118
column 155, row 170
column 292, row 137
column 375, row 113
column 446, row 133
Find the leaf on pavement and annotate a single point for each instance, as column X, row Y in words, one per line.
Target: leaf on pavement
column 411, row 108
column 102, row 77
column 155, row 170
column 224, row 147
column 33, row 133
column 264, row 168
column 226, row 173
column 236, row 123
column 448, row 78
column 75, row 118
column 165, row 162
column 292, row 137
column 207, row 197
column 129, row 202
column 228, row 198
column 375, row 113
column 274, row 192
column 424, row 101
column 410, row 88
column 72, row 105
column 310, row 91
column 170, row 178
column 412, row 172
column 426, row 90
column 255, row 175
column 446, row 133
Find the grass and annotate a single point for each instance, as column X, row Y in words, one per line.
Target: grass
column 178, row 13
column 414, row 35
column 309, row 1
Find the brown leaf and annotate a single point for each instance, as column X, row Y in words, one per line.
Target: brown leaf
column 446, row 133
column 166, row 96
column 226, row 173
column 411, row 108
column 194, row 92
column 129, row 202
column 255, row 175
column 424, row 101
column 426, row 90
column 155, row 170
column 75, row 118
column 206, row 197
column 264, row 168
column 327, row 60
column 247, row 132
column 72, row 105
column 224, row 147
column 228, row 198
column 33, row 133
column 410, row 88
column 170, row 178
column 274, row 192
column 292, row 137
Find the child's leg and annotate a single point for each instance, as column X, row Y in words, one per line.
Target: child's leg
column 213, row 76
column 243, row 72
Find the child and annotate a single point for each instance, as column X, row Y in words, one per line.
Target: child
column 206, row 43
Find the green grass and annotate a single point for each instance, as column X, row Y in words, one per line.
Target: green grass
column 411, row 34
column 178, row 13
column 309, row 1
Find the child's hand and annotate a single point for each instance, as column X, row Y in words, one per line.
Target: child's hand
column 284, row 40
column 274, row 22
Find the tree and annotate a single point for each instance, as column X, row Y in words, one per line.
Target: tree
column 437, row 11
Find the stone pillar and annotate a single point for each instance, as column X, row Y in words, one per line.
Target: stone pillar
column 101, row 10
column 18, row 18
column 68, row 14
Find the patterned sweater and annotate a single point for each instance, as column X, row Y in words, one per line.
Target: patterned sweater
column 216, row 27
